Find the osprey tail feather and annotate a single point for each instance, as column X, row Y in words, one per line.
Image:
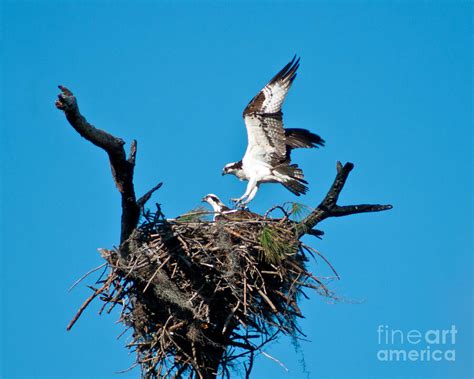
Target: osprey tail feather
column 296, row 173
column 295, row 186
column 294, row 179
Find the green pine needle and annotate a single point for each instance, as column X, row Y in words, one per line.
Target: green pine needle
column 275, row 248
column 298, row 211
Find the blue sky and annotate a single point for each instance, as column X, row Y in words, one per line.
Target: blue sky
column 388, row 85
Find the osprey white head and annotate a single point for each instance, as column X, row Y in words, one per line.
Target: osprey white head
column 217, row 205
column 234, row 168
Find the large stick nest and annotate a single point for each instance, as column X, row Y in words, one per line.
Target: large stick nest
column 198, row 294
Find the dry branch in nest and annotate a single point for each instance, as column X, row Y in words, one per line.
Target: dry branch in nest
column 198, row 295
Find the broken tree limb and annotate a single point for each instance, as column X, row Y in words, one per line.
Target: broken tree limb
column 329, row 208
column 142, row 200
column 122, row 166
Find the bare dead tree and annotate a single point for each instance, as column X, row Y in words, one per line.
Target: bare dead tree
column 121, row 165
column 190, row 302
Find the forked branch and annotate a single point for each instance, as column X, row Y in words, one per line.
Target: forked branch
column 329, row 207
column 121, row 165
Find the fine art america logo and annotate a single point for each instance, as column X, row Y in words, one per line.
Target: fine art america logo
column 416, row 345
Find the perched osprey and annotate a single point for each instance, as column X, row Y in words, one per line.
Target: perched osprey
column 267, row 158
column 221, row 211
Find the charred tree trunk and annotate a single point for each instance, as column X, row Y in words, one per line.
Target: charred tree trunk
column 122, row 166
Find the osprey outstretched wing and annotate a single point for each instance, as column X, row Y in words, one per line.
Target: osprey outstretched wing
column 267, row 158
column 264, row 119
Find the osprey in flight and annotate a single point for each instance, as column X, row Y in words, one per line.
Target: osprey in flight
column 267, row 158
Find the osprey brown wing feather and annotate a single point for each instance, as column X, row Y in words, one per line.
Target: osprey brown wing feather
column 263, row 116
